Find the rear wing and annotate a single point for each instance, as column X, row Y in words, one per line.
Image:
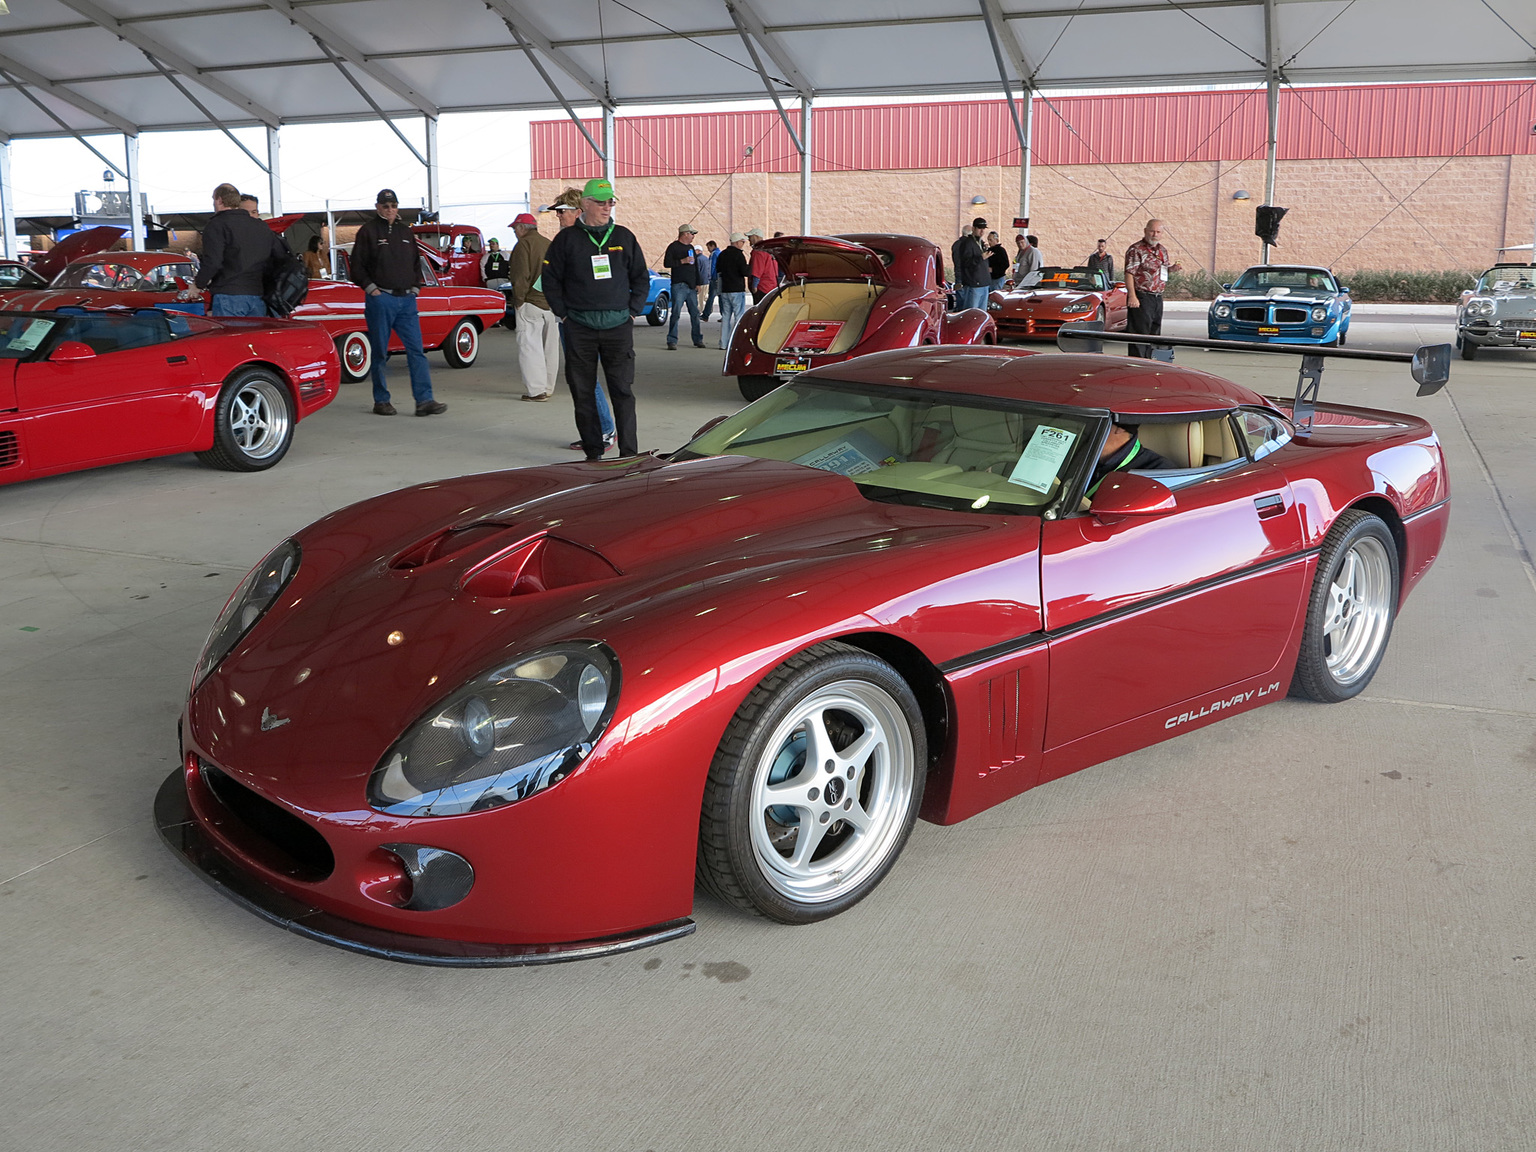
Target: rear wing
column 1430, row 365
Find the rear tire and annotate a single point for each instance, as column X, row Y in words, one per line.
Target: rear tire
column 756, row 387
column 252, row 423
column 463, row 344
column 1350, row 611
column 814, row 788
column 660, row 310
column 356, row 352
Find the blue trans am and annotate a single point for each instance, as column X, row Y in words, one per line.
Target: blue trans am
column 1281, row 304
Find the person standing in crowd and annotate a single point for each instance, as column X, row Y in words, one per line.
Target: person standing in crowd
column 315, row 266
column 682, row 260
column 595, row 279
column 1100, row 260
column 732, row 269
column 972, row 274
column 538, row 336
column 1027, row 262
column 711, row 278
column 387, row 266
column 997, row 261
column 236, row 251
column 765, row 269
column 1147, row 265
column 250, row 205
column 495, row 268
column 567, row 208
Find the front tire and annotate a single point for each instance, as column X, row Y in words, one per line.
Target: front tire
column 660, row 310
column 756, row 387
column 463, row 344
column 252, row 423
column 1468, row 350
column 815, row 787
column 356, row 352
column 1350, row 612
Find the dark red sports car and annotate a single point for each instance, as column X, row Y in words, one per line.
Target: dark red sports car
column 846, row 296
column 515, row 717
column 1062, row 296
column 83, row 388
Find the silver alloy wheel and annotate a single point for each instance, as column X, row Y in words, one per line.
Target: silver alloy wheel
column 833, row 821
column 465, row 339
column 1359, row 611
column 258, row 418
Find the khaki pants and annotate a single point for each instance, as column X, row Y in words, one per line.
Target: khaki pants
column 538, row 348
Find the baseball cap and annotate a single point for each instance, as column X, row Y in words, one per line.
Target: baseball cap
column 738, row 236
column 979, row 222
column 598, row 189
column 387, row 196
column 758, row 232
column 525, row 218
column 688, row 228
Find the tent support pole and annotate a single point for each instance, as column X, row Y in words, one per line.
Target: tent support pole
column 274, row 173
column 805, row 166
column 1272, row 85
column 135, row 214
column 7, row 204
column 433, row 191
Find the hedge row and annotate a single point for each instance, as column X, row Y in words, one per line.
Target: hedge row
column 1368, row 287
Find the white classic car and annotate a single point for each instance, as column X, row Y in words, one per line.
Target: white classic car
column 1500, row 312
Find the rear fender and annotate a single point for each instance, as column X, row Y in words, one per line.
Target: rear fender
column 972, row 326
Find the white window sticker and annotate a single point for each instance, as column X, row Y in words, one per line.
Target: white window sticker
column 1038, row 466
column 602, row 267
column 32, row 334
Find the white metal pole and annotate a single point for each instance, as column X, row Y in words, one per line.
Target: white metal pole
column 7, row 204
column 610, row 161
column 433, row 192
column 1026, row 157
column 135, row 193
column 330, row 237
column 805, row 166
column 1272, row 83
column 274, row 173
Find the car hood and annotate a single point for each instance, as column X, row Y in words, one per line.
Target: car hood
column 83, row 243
column 1052, row 297
column 1306, row 296
column 620, row 546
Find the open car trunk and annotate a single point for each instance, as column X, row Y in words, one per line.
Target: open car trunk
column 802, row 316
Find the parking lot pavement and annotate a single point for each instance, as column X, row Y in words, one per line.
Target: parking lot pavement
column 1305, row 927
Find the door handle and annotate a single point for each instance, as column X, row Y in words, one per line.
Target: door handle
column 1271, row 505
column 175, row 359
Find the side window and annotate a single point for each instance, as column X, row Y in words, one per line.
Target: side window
column 470, row 243
column 1262, row 433
column 427, row 276
column 106, row 332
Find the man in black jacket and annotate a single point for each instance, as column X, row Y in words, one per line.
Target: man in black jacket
column 682, row 260
column 237, row 249
column 972, row 276
column 732, row 269
column 387, row 266
column 596, row 281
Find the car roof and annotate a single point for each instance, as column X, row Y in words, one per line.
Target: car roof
column 1132, row 388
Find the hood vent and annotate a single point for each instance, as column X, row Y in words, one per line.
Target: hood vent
column 446, row 543
column 537, row 566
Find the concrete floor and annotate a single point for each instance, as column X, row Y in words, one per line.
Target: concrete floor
column 1304, row 928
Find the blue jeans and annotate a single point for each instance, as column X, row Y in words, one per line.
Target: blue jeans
column 732, row 305
column 967, row 297
column 997, row 283
column 238, row 306
column 684, row 294
column 385, row 314
column 604, row 409
column 714, row 294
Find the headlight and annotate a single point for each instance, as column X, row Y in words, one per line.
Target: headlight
column 1479, row 307
column 1223, row 311
column 994, row 306
column 1319, row 314
column 257, row 592
column 1081, row 306
column 503, row 736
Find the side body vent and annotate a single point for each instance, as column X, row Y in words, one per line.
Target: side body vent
column 10, row 450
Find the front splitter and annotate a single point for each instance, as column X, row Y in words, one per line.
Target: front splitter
column 179, row 828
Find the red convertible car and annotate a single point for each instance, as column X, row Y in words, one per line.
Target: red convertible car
column 452, row 317
column 846, row 296
column 83, row 388
column 515, row 717
column 1063, row 296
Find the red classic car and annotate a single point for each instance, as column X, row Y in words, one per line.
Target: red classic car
column 452, row 318
column 1063, row 296
column 456, row 250
column 514, row 717
column 846, row 296
column 81, row 388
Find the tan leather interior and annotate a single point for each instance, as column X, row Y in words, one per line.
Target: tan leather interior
column 1182, row 445
column 1221, row 445
column 813, row 300
column 982, row 441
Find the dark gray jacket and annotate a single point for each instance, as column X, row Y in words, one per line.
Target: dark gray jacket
column 237, row 249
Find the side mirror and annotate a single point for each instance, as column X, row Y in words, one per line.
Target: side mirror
column 1078, row 336
column 1228, row 288
column 1431, row 368
column 707, row 425
column 1131, row 494
column 1344, row 288
column 72, row 350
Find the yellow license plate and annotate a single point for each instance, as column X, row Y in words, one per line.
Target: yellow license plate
column 1528, row 335
column 790, row 365
column 1269, row 331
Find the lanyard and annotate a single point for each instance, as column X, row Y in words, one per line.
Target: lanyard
column 1124, row 460
column 596, row 243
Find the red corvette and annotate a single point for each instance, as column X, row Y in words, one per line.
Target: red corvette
column 83, row 388
column 452, row 317
column 846, row 296
column 514, row 717
column 1063, row 296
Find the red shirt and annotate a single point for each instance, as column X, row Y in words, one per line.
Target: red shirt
column 1146, row 266
column 765, row 272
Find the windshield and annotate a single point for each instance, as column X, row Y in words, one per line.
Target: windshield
column 116, row 277
column 21, row 335
column 1071, row 278
column 1305, row 279
column 1508, row 280
column 441, row 241
column 908, row 447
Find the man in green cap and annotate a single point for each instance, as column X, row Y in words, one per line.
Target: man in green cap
column 596, row 281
